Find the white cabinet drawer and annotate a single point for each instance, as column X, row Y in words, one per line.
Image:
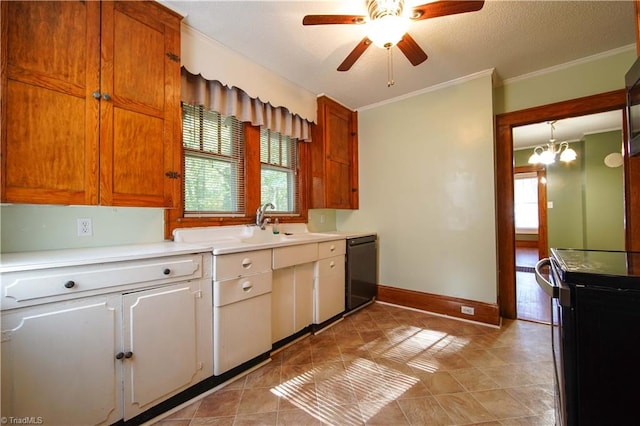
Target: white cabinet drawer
column 235, row 265
column 331, row 248
column 331, row 265
column 39, row 286
column 294, row 255
column 236, row 290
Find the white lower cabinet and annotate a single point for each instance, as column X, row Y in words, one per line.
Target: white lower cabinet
column 329, row 284
column 329, row 289
column 292, row 300
column 58, row 362
column 96, row 360
column 167, row 344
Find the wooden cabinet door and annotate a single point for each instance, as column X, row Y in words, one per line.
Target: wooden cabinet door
column 334, row 152
column 160, row 331
column 49, row 132
column 140, row 104
column 59, row 362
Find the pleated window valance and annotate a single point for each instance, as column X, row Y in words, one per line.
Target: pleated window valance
column 213, row 95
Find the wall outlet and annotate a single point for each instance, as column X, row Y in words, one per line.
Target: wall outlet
column 468, row 310
column 85, row 227
column 321, row 218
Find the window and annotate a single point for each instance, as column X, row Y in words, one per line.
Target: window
column 278, row 171
column 526, row 203
column 213, row 163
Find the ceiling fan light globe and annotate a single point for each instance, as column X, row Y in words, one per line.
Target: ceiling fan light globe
column 387, row 31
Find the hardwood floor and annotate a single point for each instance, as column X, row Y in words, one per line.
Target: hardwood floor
column 532, row 303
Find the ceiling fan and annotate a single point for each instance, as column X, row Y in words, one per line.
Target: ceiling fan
column 388, row 22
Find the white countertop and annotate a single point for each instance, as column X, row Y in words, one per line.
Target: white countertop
column 194, row 240
column 33, row 260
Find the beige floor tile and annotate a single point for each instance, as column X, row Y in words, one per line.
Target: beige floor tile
column 220, row 404
column 335, row 392
column 424, row 411
column 258, row 400
column 212, row 421
column 256, row 419
column 501, row 404
column 375, row 413
column 297, row 417
column 268, row 375
column 463, row 408
column 474, row 379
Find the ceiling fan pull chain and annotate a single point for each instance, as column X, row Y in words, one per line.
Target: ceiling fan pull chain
column 390, row 81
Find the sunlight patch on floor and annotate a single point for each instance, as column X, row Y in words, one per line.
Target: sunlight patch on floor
column 338, row 404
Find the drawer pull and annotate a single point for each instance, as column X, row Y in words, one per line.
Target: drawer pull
column 69, row 284
column 246, row 263
column 128, row 354
column 120, row 355
column 247, row 286
column 167, row 271
column 332, row 264
column 333, row 248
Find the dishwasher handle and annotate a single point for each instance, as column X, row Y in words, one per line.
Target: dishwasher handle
column 544, row 284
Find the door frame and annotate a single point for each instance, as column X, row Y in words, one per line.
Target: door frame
column 503, row 150
column 541, row 174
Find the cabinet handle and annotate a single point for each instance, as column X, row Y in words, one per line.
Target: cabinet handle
column 70, row 284
column 332, row 264
column 333, row 248
column 96, row 95
column 247, row 286
column 128, row 354
column 119, row 355
column 246, row 263
column 167, row 271
column 106, row 97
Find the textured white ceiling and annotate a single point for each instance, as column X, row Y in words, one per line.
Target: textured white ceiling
column 513, row 37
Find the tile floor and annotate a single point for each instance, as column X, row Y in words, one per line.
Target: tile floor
column 386, row 365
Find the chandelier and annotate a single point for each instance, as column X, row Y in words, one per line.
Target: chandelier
column 546, row 154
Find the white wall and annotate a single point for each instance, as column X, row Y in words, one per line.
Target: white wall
column 427, row 188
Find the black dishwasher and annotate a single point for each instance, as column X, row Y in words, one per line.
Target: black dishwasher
column 361, row 272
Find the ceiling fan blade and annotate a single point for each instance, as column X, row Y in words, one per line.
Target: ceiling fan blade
column 354, row 55
column 411, row 50
column 444, row 8
column 332, row 19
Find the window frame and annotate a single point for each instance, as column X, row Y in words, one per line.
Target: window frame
column 175, row 217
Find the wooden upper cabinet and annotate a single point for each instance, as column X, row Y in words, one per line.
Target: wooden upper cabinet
column 334, row 152
column 90, row 103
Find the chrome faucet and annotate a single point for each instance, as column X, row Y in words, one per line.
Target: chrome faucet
column 262, row 221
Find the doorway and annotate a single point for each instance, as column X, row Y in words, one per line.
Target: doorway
column 504, row 176
column 530, row 215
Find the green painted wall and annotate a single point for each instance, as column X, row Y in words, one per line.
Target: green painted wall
column 587, row 196
column 589, row 76
column 603, row 193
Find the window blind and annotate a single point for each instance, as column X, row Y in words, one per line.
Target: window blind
column 214, row 163
column 279, row 171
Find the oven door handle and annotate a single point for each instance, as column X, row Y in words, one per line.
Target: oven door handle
column 544, row 284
